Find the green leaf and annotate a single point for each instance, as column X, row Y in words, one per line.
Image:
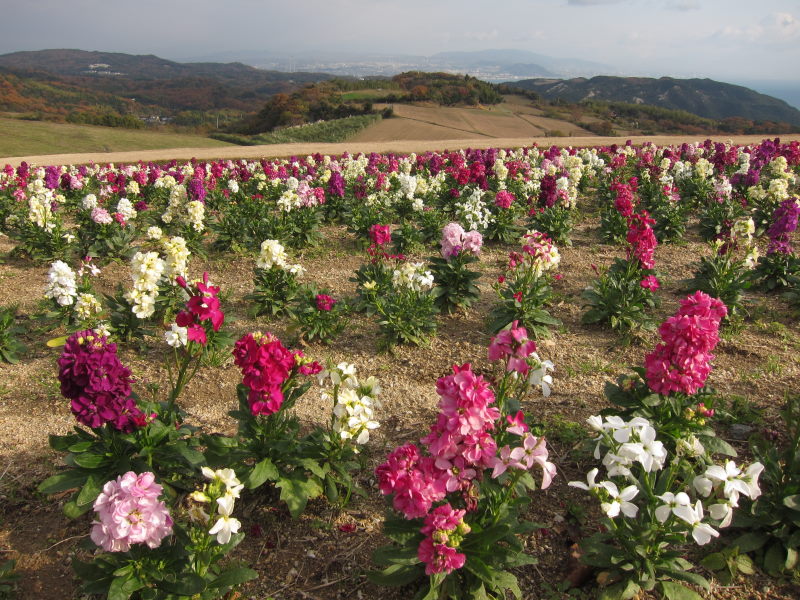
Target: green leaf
column 313, row 466
column 187, row 584
column 792, row 502
column 714, row 562
column 750, row 541
column 89, row 492
column 71, row 479
column 233, row 577
column 716, row 445
column 81, row 446
column 744, row 564
column 89, row 460
column 620, row 591
column 73, row 511
column 775, row 559
column 192, row 456
column 690, row 577
column 262, row 471
column 297, row 492
column 394, row 555
column 396, row 575
column 122, row 588
column 678, row 591
column 791, row 559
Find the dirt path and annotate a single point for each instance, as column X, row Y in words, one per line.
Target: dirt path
column 402, row 147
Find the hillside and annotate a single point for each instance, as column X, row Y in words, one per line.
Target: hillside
column 158, row 86
column 19, row 138
column 703, row 97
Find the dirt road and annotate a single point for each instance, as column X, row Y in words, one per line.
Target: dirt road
column 403, row 147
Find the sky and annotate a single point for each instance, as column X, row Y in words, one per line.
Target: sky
column 728, row 40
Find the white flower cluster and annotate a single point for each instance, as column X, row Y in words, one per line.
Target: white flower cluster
column 226, row 525
column 146, row 270
column 61, row 285
column 177, row 196
column 126, row 209
column 87, row 306
column 89, row 202
column 154, row 233
column 413, row 276
column 354, row 401
column 473, row 213
column 289, row 200
column 40, row 212
column 634, row 441
column 703, row 169
column 196, row 212
column 273, row 254
column 176, row 257
column 177, row 336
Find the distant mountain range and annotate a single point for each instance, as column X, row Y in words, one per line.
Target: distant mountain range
column 155, row 81
column 703, row 97
column 87, row 86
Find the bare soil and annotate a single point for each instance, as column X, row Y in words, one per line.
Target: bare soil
column 400, row 144
column 315, row 556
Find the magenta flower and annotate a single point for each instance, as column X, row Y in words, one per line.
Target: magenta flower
column 266, row 365
column 380, row 234
column 129, row 512
column 97, row 383
column 504, row 199
column 682, row 362
column 650, row 283
column 324, row 302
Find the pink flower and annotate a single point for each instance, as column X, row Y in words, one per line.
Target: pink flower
column 439, row 558
column 129, row 512
column 101, row 216
column 681, row 363
column 516, row 423
column 504, row 199
column 650, row 283
column 380, row 234
column 324, row 302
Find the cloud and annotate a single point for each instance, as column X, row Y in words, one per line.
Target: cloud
column 682, row 5
column 592, row 2
column 775, row 28
column 482, row 36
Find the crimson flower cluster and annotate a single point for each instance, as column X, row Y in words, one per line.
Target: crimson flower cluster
column 203, row 305
column 641, row 238
column 682, row 362
column 324, row 302
column 266, row 365
column 97, row 383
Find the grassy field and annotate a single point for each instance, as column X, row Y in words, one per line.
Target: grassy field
column 21, row 138
column 336, row 130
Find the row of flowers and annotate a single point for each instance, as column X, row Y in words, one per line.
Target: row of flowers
column 457, row 500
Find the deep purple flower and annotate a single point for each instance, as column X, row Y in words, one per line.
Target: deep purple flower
column 97, row 383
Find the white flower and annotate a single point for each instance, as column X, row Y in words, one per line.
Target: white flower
column 590, row 484
column 89, row 202
column 154, row 233
column 703, row 485
column 225, row 525
column 540, row 378
column 61, row 284
column 729, row 477
column 722, row 512
column 701, row 532
column 126, row 209
column 86, row 306
column 671, row 502
column 177, row 336
column 272, row 254
column 619, row 500
column 648, row 451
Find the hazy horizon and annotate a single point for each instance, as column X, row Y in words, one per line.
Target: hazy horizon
column 684, row 38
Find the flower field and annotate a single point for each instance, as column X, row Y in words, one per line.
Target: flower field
column 530, row 373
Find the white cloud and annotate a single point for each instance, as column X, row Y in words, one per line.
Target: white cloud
column 482, row 36
column 682, row 5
